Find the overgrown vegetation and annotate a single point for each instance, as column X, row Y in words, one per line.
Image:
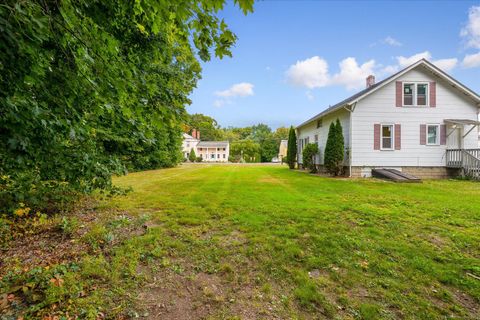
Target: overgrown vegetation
column 89, row 89
column 334, row 149
column 309, row 154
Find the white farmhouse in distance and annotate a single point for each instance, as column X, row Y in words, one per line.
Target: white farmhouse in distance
column 209, row 151
column 419, row 121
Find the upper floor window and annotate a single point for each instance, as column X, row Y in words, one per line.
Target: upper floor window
column 319, row 123
column 415, row 94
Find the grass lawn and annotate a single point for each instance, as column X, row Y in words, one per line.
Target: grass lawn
column 264, row 242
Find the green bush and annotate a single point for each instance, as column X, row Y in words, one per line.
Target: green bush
column 309, row 153
column 192, row 156
column 199, row 159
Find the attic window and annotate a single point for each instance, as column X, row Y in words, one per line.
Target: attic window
column 415, row 94
column 319, row 123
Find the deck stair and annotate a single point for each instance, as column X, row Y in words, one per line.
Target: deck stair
column 466, row 159
column 394, row 175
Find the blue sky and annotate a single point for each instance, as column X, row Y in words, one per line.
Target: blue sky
column 295, row 58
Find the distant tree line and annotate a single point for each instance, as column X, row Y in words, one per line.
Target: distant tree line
column 257, row 143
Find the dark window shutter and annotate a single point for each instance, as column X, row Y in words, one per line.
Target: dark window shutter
column 443, row 134
column 398, row 137
column 376, row 136
column 433, row 94
column 398, row 93
column 423, row 134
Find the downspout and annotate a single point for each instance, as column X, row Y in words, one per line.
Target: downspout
column 352, row 108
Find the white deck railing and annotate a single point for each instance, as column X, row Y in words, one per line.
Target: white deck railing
column 467, row 159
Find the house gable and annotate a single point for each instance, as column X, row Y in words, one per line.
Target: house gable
column 426, row 65
column 408, row 124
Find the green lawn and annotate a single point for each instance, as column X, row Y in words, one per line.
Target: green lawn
column 264, row 242
column 374, row 249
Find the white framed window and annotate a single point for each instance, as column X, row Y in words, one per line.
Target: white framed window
column 320, row 123
column 415, row 94
column 386, row 136
column 433, row 134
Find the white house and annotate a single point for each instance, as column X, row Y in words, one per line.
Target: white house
column 189, row 143
column 209, row 151
column 420, row 121
column 213, row 151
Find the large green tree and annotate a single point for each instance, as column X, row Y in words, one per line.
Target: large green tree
column 292, row 148
column 245, row 151
column 89, row 88
column 206, row 125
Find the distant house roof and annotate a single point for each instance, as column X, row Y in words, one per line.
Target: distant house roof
column 187, row 136
column 212, row 144
column 365, row 92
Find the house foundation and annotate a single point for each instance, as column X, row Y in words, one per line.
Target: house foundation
column 421, row 172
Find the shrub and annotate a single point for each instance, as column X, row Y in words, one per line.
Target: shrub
column 334, row 148
column 292, row 148
column 309, row 153
column 192, row 157
column 199, row 159
column 68, row 225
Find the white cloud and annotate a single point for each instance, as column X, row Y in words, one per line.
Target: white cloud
column 406, row 61
column 351, row 74
column 237, row 90
column 313, row 73
column 243, row 89
column 446, row 64
column 310, row 73
column 392, row 42
column 471, row 60
column 471, row 32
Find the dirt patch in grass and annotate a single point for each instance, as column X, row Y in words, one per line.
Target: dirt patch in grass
column 234, row 239
column 169, row 294
column 43, row 243
column 467, row 302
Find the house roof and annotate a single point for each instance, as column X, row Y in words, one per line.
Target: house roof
column 212, row 144
column 365, row 92
column 187, row 136
column 462, row 121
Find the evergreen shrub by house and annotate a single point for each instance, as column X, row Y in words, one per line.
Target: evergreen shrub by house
column 292, row 148
column 334, row 149
column 192, row 156
column 309, row 153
